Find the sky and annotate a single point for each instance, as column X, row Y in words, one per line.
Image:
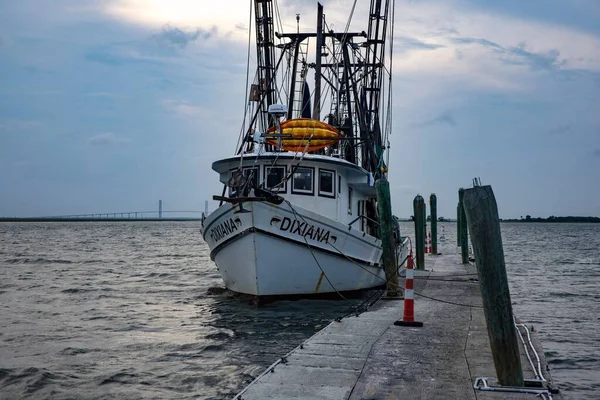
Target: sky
column 111, row 105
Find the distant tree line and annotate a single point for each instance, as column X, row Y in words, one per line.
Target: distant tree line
column 527, row 218
column 552, row 218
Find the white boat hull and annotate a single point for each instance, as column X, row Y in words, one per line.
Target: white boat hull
column 277, row 251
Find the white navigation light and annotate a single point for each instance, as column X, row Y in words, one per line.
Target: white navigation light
column 278, row 110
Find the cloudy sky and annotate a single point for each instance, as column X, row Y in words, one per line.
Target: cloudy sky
column 110, row 105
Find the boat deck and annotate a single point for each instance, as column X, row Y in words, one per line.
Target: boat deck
column 368, row 357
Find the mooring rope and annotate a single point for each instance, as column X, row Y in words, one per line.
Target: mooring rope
column 385, row 280
column 448, row 302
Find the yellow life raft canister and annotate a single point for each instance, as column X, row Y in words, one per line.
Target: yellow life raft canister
column 305, row 131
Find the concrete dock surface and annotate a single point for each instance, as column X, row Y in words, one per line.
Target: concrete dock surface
column 368, row 357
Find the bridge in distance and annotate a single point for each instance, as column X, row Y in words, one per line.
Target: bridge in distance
column 115, row 216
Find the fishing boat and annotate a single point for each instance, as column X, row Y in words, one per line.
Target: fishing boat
column 298, row 212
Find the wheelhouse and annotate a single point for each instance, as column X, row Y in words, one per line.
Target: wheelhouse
column 331, row 187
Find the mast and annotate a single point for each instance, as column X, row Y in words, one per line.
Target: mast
column 371, row 95
column 265, row 52
column 352, row 75
column 293, row 83
column 318, row 54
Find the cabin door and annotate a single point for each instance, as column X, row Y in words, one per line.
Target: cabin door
column 361, row 214
column 371, row 220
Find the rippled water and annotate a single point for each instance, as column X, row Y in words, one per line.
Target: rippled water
column 128, row 310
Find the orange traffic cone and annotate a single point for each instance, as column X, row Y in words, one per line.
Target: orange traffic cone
column 408, row 319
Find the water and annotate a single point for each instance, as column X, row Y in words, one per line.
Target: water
column 129, row 310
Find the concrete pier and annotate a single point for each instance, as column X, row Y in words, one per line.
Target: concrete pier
column 368, row 357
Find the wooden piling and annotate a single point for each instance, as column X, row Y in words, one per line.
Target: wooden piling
column 458, row 225
column 419, row 212
column 433, row 205
column 463, row 233
column 386, row 233
column 481, row 210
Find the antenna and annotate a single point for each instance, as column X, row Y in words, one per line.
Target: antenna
column 278, row 111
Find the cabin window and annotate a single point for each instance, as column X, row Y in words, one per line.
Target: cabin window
column 350, row 200
column 302, row 181
column 326, row 183
column 339, row 184
column 275, row 179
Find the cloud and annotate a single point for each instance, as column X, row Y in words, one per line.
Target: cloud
column 414, row 43
column 519, row 55
column 107, row 139
column 184, row 108
column 180, row 13
column 4, row 42
column 21, row 164
column 120, row 55
column 445, row 32
column 504, row 86
column 178, row 37
column 549, row 60
column 16, row 125
column 559, row 130
column 488, row 51
column 443, row 119
column 104, row 95
column 482, row 42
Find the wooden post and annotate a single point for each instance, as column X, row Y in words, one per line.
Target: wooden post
column 433, row 205
column 424, row 221
column 458, row 225
column 419, row 211
column 481, row 211
column 463, row 234
column 386, row 233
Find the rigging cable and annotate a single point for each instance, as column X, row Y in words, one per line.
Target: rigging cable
column 243, row 130
column 341, row 253
column 349, row 21
column 419, row 294
column 380, row 293
column 354, row 262
column 313, row 254
column 388, row 127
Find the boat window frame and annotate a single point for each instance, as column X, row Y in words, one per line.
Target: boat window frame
column 304, row 192
column 350, row 195
column 256, row 172
column 244, row 170
column 330, row 195
column 281, row 189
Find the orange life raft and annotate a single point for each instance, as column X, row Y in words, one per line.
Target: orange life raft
column 303, row 132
